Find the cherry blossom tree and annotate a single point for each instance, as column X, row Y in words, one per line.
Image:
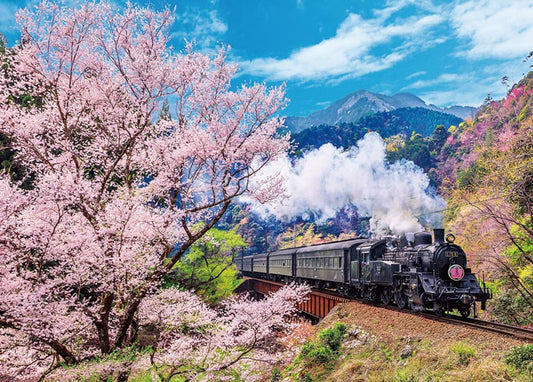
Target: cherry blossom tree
column 117, row 194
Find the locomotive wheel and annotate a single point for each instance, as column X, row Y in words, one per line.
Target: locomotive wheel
column 440, row 312
column 385, row 296
column 371, row 295
column 400, row 299
column 465, row 312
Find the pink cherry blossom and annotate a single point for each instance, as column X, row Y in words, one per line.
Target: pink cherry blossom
column 118, row 193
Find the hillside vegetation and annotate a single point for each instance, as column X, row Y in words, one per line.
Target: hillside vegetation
column 486, row 171
column 399, row 121
column 359, row 342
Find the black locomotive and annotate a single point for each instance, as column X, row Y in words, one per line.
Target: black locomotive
column 415, row 272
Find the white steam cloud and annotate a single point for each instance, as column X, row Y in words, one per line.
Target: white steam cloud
column 395, row 196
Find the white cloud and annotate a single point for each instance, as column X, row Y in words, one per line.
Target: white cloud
column 444, row 78
column 494, row 28
column 470, row 88
column 323, row 104
column 349, row 53
column 393, row 6
column 416, row 74
column 201, row 26
column 464, row 96
column 467, row 90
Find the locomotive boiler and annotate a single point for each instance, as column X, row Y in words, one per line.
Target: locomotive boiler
column 414, row 271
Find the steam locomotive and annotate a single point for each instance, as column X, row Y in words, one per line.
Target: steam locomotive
column 414, row 271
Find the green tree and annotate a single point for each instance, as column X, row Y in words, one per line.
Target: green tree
column 414, row 149
column 438, row 138
column 208, row 267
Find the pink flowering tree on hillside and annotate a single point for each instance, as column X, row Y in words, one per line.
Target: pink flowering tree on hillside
column 117, row 196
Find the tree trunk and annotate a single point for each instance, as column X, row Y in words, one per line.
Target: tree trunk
column 102, row 323
column 63, row 352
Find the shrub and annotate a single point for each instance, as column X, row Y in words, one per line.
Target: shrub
column 334, row 336
column 326, row 348
column 316, row 353
column 521, row 358
column 464, row 351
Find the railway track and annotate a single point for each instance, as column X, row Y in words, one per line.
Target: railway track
column 494, row 327
column 513, row 331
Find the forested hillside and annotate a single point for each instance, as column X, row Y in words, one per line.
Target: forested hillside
column 403, row 120
column 486, row 171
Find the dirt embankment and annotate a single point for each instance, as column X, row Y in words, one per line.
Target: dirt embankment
column 390, row 326
column 385, row 345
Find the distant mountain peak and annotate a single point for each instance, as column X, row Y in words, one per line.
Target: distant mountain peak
column 361, row 103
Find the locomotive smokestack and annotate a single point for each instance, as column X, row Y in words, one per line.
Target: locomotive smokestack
column 438, row 235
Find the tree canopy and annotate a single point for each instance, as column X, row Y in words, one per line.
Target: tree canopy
column 118, row 195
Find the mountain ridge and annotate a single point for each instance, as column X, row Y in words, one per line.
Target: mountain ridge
column 361, row 103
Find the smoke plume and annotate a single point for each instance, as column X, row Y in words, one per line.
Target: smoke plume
column 395, row 196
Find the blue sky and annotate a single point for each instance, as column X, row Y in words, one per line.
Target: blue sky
column 446, row 52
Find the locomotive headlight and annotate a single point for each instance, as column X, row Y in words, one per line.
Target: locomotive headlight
column 450, row 238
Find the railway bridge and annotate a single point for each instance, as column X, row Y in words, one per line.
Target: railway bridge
column 317, row 304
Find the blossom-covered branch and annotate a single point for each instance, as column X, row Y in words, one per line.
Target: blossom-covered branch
column 116, row 193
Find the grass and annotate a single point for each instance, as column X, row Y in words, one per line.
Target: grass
column 371, row 360
column 464, row 351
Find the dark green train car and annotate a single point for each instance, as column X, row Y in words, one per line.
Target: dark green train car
column 281, row 263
